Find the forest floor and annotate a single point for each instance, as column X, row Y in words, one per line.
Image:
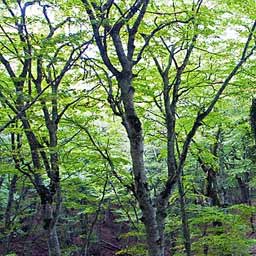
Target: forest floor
column 109, row 240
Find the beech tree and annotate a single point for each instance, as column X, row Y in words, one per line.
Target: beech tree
column 34, row 67
column 125, row 127
column 120, row 35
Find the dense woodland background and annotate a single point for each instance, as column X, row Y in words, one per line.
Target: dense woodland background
column 127, row 127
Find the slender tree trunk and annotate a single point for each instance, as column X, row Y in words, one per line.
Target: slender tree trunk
column 172, row 244
column 212, row 190
column 12, row 190
column 244, row 188
column 1, row 180
column 245, row 194
column 184, row 218
column 8, row 212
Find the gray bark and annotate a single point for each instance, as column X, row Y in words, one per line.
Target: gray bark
column 53, row 242
column 184, row 218
column 132, row 125
column 50, row 216
column 8, row 212
column 1, row 180
column 153, row 213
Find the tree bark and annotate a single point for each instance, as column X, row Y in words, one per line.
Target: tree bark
column 132, row 125
column 244, row 188
column 53, row 242
column 153, row 213
column 8, row 212
column 184, row 218
column 1, row 180
column 50, row 215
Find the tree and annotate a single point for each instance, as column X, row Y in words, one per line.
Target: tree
column 125, row 126
column 116, row 29
column 35, row 64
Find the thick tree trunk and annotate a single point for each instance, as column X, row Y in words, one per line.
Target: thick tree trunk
column 53, row 242
column 155, row 233
column 50, row 216
column 132, row 125
column 161, row 216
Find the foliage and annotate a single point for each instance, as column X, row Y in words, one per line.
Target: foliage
column 66, row 135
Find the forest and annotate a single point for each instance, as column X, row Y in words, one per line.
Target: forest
column 127, row 127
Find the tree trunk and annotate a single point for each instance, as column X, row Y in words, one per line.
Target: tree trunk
column 245, row 195
column 50, row 215
column 1, row 180
column 12, row 190
column 184, row 218
column 53, row 242
column 132, row 125
column 50, row 221
column 212, row 189
column 8, row 213
column 244, row 188
column 211, row 186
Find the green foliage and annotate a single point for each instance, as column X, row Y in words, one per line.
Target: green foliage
column 96, row 171
column 137, row 249
column 222, row 231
